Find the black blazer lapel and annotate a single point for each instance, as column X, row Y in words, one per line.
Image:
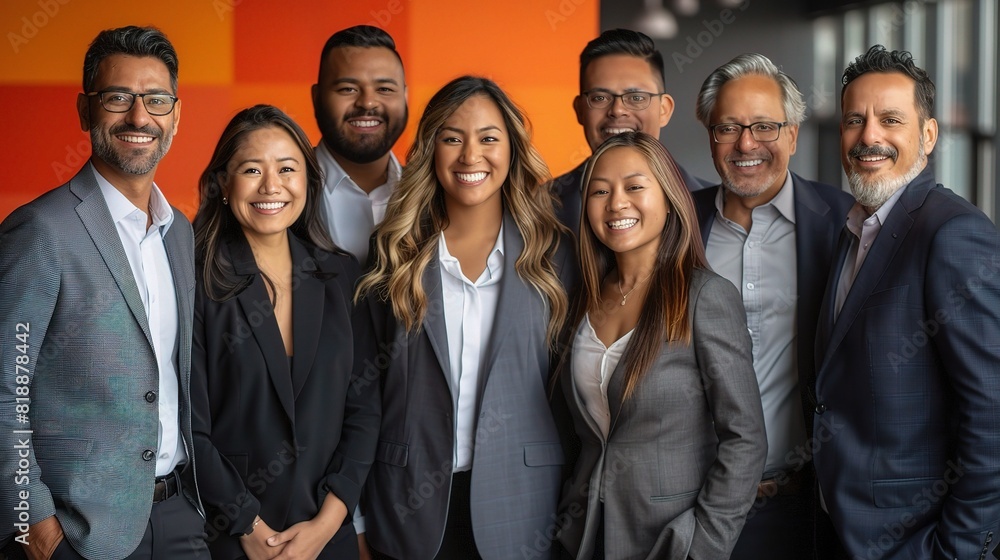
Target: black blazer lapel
column 94, row 213
column 307, row 312
column 259, row 315
column 704, row 206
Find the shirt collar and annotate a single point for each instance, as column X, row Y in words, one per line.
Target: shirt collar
column 120, row 207
column 783, row 202
column 494, row 263
column 335, row 175
column 858, row 216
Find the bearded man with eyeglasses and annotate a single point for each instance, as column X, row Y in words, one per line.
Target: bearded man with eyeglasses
column 97, row 284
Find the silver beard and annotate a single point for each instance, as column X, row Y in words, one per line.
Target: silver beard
column 873, row 193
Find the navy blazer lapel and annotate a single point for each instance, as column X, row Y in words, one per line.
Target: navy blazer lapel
column 307, row 312
column 433, row 324
column 259, row 315
column 811, row 223
column 94, row 213
column 704, row 205
column 888, row 241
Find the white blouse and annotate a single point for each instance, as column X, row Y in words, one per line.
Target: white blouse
column 593, row 365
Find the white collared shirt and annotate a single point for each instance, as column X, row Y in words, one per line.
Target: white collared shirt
column 593, row 364
column 864, row 229
column 147, row 257
column 469, row 312
column 349, row 213
column 762, row 264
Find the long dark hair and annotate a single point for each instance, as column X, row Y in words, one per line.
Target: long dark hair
column 664, row 315
column 214, row 225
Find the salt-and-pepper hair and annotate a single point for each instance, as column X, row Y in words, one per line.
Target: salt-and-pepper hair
column 750, row 64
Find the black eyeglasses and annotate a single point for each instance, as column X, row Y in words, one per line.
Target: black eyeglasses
column 157, row 104
column 727, row 133
column 634, row 100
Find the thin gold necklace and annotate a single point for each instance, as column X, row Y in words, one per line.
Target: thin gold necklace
column 637, row 284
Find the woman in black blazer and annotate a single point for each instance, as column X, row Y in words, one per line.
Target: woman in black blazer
column 283, row 439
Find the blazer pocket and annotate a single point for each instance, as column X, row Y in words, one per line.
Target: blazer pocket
column 543, row 455
column 674, row 497
column 890, row 296
column 61, row 447
column 395, row 454
column 239, row 462
column 900, row 492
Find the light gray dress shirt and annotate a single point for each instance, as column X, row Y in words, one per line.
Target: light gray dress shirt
column 349, row 213
column 147, row 258
column 761, row 263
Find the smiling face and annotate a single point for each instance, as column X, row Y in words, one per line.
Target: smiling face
column 617, row 74
column 266, row 183
column 360, row 102
column 134, row 142
column 472, row 155
column 750, row 168
column 883, row 143
column 626, row 206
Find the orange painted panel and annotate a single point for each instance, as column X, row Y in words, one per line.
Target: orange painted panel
column 45, row 40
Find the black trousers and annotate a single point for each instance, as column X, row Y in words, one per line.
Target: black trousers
column 459, row 542
column 175, row 531
column 778, row 528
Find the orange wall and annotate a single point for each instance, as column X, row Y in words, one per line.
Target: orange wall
column 235, row 53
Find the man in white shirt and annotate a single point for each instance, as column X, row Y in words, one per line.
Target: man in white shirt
column 97, row 279
column 360, row 105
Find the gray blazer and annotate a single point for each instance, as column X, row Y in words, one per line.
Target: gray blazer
column 64, row 273
column 679, row 469
column 518, row 458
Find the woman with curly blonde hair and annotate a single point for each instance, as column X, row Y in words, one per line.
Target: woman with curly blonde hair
column 467, row 296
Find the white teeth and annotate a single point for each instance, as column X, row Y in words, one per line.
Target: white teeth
column 613, row 131
column 136, row 139
column 622, row 224
column 471, row 177
column 365, row 124
column 269, row 205
column 748, row 163
column 872, row 158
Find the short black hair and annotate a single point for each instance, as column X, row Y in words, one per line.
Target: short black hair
column 878, row 59
column 623, row 41
column 131, row 41
column 365, row 36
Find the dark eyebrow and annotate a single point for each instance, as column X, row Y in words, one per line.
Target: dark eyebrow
column 154, row 91
column 356, row 81
column 460, row 131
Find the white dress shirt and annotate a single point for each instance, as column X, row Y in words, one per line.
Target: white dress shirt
column 147, row 258
column 351, row 214
column 762, row 264
column 469, row 311
column 593, row 364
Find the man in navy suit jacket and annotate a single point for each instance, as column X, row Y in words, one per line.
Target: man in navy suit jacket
column 772, row 234
column 908, row 346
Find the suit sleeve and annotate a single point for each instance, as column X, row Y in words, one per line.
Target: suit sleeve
column 29, row 289
column 355, row 453
column 220, row 484
column 963, row 294
column 722, row 347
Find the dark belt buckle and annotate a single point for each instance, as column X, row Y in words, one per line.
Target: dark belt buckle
column 767, row 488
column 165, row 488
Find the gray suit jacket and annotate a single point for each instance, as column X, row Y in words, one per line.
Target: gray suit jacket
column 680, row 466
column 64, row 275
column 518, row 458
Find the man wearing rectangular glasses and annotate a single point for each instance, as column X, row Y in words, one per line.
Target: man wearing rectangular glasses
column 772, row 234
column 97, row 284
